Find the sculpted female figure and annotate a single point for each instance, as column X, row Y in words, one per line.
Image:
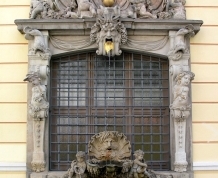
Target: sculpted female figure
column 181, row 102
column 38, row 105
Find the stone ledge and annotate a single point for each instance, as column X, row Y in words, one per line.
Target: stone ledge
column 86, row 24
column 12, row 167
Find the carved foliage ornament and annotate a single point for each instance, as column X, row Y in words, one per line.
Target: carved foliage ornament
column 59, row 9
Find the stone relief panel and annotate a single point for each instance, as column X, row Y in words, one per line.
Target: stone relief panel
column 151, row 9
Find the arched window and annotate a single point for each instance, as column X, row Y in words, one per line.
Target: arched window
column 91, row 94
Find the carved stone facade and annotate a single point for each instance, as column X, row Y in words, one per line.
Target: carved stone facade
column 108, row 29
column 72, row 9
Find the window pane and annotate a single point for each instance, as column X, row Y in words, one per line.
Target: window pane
column 91, row 94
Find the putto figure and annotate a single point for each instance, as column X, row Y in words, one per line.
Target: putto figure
column 178, row 9
column 181, row 105
column 139, row 168
column 140, row 9
column 78, row 167
column 38, row 107
column 36, row 8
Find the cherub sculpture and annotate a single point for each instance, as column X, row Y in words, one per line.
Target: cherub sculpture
column 140, row 9
column 78, row 167
column 178, row 9
column 36, row 8
column 86, row 9
column 139, row 168
column 181, row 102
column 39, row 104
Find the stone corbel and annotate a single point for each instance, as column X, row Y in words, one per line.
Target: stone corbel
column 178, row 42
column 38, row 43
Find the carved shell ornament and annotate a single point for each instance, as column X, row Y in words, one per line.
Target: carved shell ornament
column 109, row 145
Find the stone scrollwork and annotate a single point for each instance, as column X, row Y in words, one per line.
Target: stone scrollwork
column 39, row 46
column 179, row 46
column 38, row 111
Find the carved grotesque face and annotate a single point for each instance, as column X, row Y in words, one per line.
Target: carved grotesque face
column 109, row 144
column 185, row 80
column 109, row 32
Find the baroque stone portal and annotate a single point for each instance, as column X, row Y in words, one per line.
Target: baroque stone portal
column 102, row 25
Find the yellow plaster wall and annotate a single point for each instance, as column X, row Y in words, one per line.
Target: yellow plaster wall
column 13, row 68
column 204, row 63
column 13, row 91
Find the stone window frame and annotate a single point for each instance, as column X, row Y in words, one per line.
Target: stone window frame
column 179, row 62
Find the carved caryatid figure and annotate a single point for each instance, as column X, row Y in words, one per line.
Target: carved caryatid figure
column 181, row 105
column 78, row 167
column 39, row 104
column 38, row 110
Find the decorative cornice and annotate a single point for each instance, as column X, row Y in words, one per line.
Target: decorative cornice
column 21, row 167
column 12, row 167
column 86, row 24
column 205, row 166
